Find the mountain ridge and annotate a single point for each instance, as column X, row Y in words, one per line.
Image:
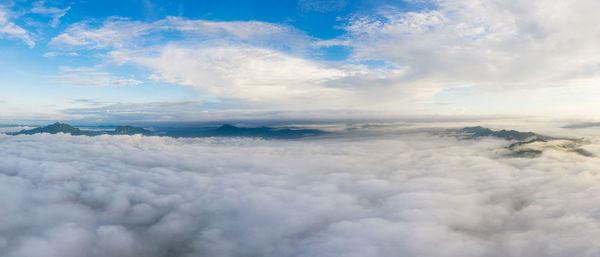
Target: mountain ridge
column 526, row 144
column 225, row 130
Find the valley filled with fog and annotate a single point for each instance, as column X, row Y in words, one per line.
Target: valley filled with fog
column 414, row 193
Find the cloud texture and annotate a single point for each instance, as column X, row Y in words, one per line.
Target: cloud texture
column 10, row 30
column 407, row 195
column 489, row 44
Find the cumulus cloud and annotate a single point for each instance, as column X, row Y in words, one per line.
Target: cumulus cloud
column 243, row 73
column 484, row 43
column 91, row 76
column 377, row 196
column 399, row 59
column 267, row 78
column 261, row 64
column 11, row 30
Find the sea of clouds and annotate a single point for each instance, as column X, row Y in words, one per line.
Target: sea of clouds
column 412, row 194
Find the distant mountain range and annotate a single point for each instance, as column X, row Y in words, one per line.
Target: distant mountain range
column 222, row 131
column 68, row 129
column 528, row 144
column 233, row 131
column 478, row 131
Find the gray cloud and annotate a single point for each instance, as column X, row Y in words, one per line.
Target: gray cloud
column 582, row 125
column 94, row 111
column 121, row 112
column 378, row 196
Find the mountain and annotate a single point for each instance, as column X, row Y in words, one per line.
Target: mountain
column 68, row 129
column 233, row 131
column 478, row 131
column 130, row 130
column 535, row 147
column 57, row 128
column 222, row 131
column 528, row 144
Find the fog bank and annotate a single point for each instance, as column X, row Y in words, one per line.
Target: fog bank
column 405, row 195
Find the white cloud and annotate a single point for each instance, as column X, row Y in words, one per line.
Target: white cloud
column 4, row 129
column 243, row 73
column 124, row 33
column 274, row 79
column 375, row 196
column 53, row 12
column 11, row 30
column 116, row 32
column 261, row 64
column 485, row 43
column 91, row 76
column 399, row 60
column 255, row 63
column 54, row 54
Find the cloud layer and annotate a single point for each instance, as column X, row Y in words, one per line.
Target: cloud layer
column 372, row 196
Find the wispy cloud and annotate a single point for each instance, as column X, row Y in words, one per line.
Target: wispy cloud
column 118, row 32
column 91, row 76
column 55, row 54
column 101, row 111
column 11, row 30
column 53, row 12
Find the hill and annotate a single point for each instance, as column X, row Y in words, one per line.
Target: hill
column 222, row 131
column 68, row 129
column 526, row 144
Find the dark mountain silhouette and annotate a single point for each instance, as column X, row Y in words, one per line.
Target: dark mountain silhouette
column 233, row 131
column 478, row 131
column 57, row 128
column 130, row 130
column 222, row 131
column 68, row 129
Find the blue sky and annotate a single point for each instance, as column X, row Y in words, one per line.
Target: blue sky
column 111, row 61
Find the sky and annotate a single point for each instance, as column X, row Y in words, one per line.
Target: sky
column 149, row 60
